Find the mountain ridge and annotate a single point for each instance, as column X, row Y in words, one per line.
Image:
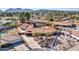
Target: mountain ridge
column 18, row 10
column 30, row 10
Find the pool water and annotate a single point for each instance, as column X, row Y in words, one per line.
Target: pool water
column 2, row 33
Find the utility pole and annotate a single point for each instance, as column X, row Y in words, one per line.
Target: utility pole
column 54, row 41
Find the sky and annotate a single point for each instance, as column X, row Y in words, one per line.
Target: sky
column 40, row 4
column 3, row 9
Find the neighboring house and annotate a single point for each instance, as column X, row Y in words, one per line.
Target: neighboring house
column 62, row 23
column 6, row 21
column 66, row 19
column 75, row 33
column 9, row 38
column 65, row 25
column 2, row 28
column 38, row 20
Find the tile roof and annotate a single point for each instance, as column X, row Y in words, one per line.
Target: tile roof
column 74, row 32
column 43, row 29
column 9, row 38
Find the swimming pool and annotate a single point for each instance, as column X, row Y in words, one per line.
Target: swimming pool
column 2, row 33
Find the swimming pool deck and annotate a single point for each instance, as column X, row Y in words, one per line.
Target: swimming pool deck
column 21, row 47
column 30, row 42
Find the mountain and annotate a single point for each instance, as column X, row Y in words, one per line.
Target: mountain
column 67, row 9
column 41, row 10
column 18, row 10
column 1, row 11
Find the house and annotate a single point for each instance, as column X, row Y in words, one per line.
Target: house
column 10, row 38
column 62, row 23
column 75, row 32
column 65, row 25
column 28, row 28
column 2, row 28
column 6, row 21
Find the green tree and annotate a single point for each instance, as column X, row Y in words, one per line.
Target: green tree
column 24, row 16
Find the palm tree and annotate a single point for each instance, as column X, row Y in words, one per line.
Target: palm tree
column 73, row 18
column 23, row 16
column 27, row 16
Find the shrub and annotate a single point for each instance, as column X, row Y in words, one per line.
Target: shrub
column 48, row 34
column 48, row 24
column 42, row 34
column 37, row 34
